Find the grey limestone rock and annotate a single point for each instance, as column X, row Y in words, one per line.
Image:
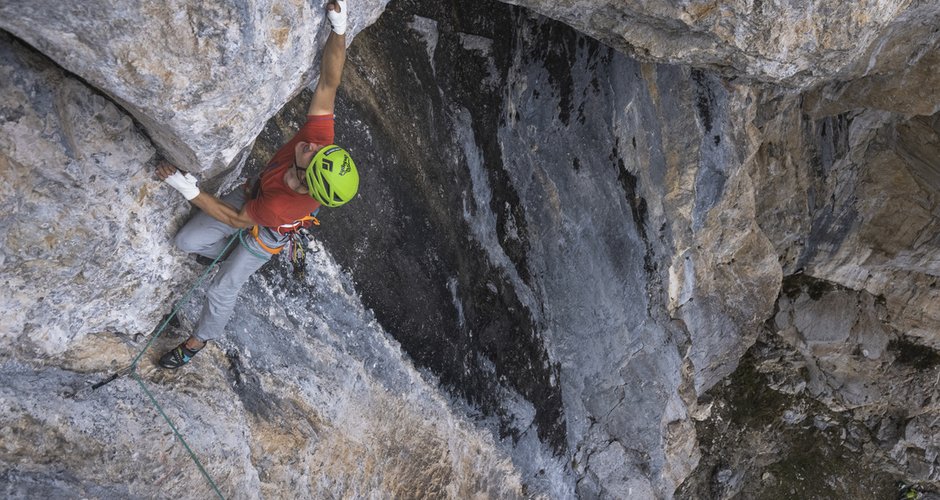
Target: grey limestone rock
column 201, row 78
column 310, row 401
column 868, row 390
column 862, row 210
column 798, row 44
column 83, row 231
column 559, row 258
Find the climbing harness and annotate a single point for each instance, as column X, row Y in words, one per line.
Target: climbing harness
column 272, row 251
column 132, row 369
column 297, row 241
column 290, row 229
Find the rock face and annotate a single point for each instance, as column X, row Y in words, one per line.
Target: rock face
column 830, row 384
column 893, row 73
column 88, row 271
column 670, row 201
column 78, row 192
column 202, row 78
column 304, row 402
column 799, row 43
column 864, row 200
column 559, row 259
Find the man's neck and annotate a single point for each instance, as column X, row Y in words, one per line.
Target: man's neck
column 290, row 178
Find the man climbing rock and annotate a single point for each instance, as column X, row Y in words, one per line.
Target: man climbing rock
column 306, row 173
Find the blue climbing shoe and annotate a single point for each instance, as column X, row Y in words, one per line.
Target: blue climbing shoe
column 178, row 356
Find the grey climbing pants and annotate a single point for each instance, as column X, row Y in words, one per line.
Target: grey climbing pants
column 208, row 237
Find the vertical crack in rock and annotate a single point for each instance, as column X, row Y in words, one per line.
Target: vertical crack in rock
column 556, row 47
column 832, row 137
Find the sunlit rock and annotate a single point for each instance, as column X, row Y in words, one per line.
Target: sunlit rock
column 84, row 245
column 201, row 78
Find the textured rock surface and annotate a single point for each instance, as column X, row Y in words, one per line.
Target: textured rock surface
column 671, row 202
column 308, row 401
column 850, row 358
column 863, row 208
column 77, row 192
column 301, row 402
column 799, row 43
column 202, row 78
column 586, row 224
column 573, row 247
column 895, row 73
column 830, row 402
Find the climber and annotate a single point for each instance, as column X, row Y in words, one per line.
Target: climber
column 307, row 172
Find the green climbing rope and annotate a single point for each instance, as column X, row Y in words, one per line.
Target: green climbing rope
column 182, row 302
column 132, row 370
column 177, row 433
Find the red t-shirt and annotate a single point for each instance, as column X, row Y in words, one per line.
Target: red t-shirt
column 276, row 202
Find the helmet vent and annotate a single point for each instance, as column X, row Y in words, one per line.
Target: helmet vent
column 332, row 178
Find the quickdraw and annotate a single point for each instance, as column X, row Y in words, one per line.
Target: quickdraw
column 297, row 241
column 297, row 251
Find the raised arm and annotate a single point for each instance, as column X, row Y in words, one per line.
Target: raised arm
column 331, row 64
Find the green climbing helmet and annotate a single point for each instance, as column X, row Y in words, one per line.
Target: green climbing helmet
column 332, row 178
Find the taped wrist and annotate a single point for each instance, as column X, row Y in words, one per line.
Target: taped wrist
column 338, row 19
column 184, row 183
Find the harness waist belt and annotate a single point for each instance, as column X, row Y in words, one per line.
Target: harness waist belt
column 272, row 251
column 282, row 230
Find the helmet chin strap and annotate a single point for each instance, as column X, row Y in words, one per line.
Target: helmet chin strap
column 301, row 181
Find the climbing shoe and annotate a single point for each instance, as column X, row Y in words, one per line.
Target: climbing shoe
column 178, row 356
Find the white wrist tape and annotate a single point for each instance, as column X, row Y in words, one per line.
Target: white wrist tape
column 184, row 183
column 338, row 19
